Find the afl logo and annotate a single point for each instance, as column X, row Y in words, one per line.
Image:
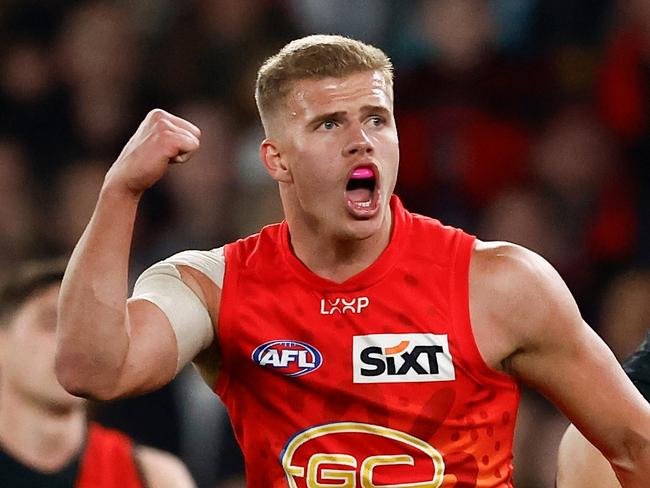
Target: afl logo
column 291, row 358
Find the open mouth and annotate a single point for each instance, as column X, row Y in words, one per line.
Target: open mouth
column 362, row 191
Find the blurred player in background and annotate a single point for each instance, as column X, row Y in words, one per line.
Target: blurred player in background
column 580, row 463
column 355, row 343
column 46, row 439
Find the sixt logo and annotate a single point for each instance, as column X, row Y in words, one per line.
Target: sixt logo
column 291, row 358
column 398, row 358
column 341, row 305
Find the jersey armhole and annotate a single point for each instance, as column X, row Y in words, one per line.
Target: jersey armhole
column 211, row 264
column 461, row 319
column 224, row 325
column 163, row 285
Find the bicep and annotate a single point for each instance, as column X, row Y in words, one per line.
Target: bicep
column 151, row 360
column 168, row 325
column 172, row 319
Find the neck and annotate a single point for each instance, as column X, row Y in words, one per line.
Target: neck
column 334, row 258
column 42, row 439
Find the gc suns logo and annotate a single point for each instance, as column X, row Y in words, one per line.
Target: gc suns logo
column 357, row 455
column 291, row 358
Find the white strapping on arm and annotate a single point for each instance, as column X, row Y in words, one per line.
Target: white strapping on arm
column 162, row 285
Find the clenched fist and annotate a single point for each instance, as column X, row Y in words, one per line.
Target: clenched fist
column 161, row 139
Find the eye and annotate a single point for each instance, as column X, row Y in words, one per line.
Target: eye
column 329, row 124
column 376, row 120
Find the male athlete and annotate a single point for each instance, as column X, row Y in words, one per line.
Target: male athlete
column 46, row 440
column 580, row 463
column 355, row 343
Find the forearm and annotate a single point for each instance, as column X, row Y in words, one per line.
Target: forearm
column 101, row 353
column 616, row 420
column 93, row 332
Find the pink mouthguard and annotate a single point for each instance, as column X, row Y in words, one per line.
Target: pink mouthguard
column 362, row 173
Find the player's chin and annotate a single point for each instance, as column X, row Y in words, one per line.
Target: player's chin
column 360, row 228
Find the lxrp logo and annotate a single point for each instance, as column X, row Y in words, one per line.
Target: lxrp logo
column 341, row 305
column 401, row 358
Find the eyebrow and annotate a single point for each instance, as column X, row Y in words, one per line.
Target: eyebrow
column 369, row 109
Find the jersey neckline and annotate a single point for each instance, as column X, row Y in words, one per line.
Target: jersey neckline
column 366, row 277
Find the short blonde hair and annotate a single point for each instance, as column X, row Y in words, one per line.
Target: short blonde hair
column 314, row 57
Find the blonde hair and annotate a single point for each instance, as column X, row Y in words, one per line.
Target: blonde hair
column 314, row 57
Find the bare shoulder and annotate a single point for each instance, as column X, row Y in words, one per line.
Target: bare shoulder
column 514, row 272
column 162, row 469
column 515, row 297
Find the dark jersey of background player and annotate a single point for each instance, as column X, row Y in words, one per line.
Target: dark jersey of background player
column 107, row 459
column 637, row 367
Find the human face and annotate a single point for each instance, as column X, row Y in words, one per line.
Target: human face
column 27, row 354
column 339, row 147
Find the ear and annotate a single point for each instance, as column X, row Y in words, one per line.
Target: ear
column 274, row 162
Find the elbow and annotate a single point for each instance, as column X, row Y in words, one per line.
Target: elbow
column 632, row 466
column 78, row 379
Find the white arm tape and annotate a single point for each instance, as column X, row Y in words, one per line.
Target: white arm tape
column 162, row 285
column 211, row 263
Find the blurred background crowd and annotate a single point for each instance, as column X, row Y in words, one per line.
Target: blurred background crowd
column 521, row 120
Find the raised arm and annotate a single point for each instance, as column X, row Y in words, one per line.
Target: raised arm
column 106, row 348
column 520, row 300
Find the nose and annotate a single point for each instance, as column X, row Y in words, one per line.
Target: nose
column 359, row 143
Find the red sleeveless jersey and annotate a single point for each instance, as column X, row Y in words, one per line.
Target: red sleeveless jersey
column 108, row 461
column 374, row 382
